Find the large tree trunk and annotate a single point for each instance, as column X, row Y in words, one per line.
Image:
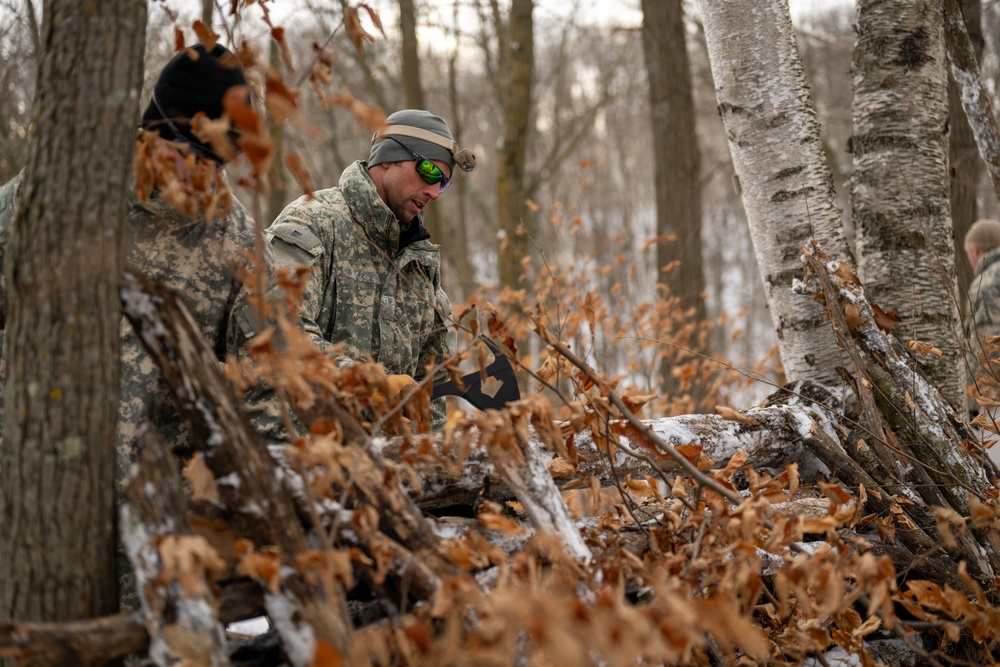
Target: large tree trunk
column 676, row 160
column 900, row 193
column 62, row 270
column 516, row 67
column 781, row 170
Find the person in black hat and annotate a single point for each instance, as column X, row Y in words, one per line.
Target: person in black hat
column 196, row 260
column 195, row 81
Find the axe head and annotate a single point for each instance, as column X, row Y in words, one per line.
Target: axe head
column 494, row 397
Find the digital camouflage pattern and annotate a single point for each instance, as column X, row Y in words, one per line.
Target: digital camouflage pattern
column 983, row 320
column 197, row 262
column 365, row 292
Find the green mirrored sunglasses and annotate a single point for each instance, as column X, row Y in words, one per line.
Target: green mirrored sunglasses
column 430, row 172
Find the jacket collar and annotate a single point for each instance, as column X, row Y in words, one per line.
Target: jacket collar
column 373, row 215
column 991, row 257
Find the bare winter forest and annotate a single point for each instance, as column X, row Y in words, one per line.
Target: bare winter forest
column 720, row 249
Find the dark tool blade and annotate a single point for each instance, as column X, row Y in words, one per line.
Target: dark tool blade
column 500, row 370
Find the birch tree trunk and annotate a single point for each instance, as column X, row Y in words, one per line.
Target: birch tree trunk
column 57, row 554
column 781, row 170
column 900, row 190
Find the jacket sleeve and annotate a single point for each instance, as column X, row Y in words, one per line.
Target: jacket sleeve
column 296, row 240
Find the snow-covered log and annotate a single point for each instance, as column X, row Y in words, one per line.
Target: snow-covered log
column 915, row 434
column 98, row 641
column 171, row 564
column 308, row 609
column 771, row 435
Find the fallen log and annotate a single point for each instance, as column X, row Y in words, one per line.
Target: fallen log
column 926, row 434
column 100, row 640
column 172, row 566
column 771, row 435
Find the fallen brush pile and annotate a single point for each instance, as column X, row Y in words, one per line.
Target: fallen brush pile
column 812, row 528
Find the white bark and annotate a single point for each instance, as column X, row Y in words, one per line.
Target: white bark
column 783, row 176
column 900, row 189
column 975, row 98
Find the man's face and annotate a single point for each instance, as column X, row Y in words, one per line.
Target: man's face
column 405, row 192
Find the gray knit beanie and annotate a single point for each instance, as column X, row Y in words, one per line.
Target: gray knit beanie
column 983, row 235
column 406, row 125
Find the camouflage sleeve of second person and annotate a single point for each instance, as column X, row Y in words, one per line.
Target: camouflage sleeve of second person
column 297, row 238
column 984, row 319
column 441, row 344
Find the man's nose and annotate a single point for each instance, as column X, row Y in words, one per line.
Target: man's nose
column 433, row 191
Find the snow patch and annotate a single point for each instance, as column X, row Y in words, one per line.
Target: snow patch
column 298, row 639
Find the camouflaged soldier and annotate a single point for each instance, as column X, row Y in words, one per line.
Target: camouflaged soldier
column 375, row 284
column 982, row 247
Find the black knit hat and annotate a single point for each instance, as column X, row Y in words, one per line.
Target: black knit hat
column 188, row 85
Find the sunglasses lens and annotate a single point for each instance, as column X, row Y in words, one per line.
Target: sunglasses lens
column 429, row 172
column 432, row 174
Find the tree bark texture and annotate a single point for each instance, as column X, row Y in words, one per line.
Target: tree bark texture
column 517, row 62
column 900, row 189
column 966, row 166
column 62, row 271
column 781, row 170
column 675, row 151
column 677, row 164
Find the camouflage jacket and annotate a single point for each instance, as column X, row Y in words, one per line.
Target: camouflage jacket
column 197, row 262
column 983, row 319
column 381, row 301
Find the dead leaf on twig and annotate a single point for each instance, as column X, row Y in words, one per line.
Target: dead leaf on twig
column 923, row 349
column 886, row 320
column 730, row 414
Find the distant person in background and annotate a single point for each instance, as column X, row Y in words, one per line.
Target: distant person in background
column 198, row 261
column 982, row 247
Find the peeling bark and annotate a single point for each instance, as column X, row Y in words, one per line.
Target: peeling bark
column 900, row 191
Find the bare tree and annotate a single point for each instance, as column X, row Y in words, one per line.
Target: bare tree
column 900, row 193
column 516, row 66
column 676, row 159
column 781, row 170
column 57, row 461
